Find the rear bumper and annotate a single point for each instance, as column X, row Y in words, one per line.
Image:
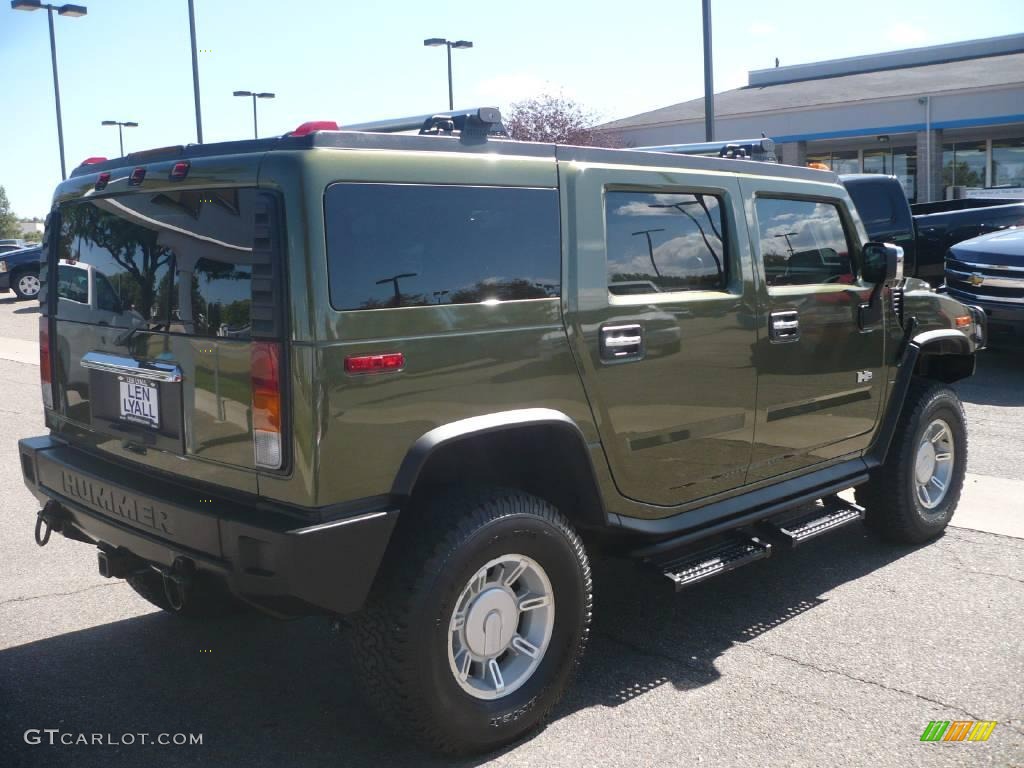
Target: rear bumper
column 264, row 554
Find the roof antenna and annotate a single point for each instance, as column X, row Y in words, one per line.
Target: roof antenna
column 776, row 62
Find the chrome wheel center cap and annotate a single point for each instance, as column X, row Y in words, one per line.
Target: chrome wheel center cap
column 491, row 622
column 925, row 466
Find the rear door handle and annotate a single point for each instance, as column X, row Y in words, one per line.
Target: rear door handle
column 622, row 342
column 784, row 326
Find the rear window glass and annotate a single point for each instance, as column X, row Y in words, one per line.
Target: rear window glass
column 176, row 261
column 661, row 242
column 408, row 245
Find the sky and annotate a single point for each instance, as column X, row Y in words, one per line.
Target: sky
column 129, row 60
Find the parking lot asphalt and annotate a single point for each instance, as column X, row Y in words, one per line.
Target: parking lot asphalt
column 837, row 653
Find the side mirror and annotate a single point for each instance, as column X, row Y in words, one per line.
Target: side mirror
column 883, row 263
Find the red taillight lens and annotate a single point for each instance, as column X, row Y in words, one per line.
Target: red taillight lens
column 265, row 374
column 179, row 171
column 393, row 361
column 314, row 125
column 45, row 368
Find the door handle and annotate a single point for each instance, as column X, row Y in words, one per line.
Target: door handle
column 784, row 326
column 622, row 342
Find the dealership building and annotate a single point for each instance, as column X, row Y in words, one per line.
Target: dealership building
column 938, row 117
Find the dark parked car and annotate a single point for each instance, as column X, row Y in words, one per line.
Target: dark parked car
column 988, row 272
column 925, row 231
column 19, row 272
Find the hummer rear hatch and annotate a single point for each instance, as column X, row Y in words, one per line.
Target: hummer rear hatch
column 164, row 327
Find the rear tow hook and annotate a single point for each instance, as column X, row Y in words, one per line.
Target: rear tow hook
column 178, row 581
column 50, row 518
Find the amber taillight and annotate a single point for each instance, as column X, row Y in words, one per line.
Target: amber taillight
column 45, row 366
column 265, row 374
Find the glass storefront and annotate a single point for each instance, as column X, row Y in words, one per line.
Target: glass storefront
column 900, row 162
column 839, row 162
column 963, row 164
column 1008, row 163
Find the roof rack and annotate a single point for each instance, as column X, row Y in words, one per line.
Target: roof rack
column 482, row 121
column 738, row 149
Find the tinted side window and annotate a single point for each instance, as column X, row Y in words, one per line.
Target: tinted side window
column 664, row 242
column 802, row 242
column 409, row 245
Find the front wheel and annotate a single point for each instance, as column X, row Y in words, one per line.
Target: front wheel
column 479, row 620
column 26, row 284
column 912, row 497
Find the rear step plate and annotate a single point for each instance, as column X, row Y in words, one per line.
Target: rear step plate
column 698, row 566
column 821, row 519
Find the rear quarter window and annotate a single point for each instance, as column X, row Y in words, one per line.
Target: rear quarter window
column 410, row 245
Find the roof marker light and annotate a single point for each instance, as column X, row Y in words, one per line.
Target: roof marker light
column 137, row 176
column 180, row 170
column 314, row 125
column 103, row 180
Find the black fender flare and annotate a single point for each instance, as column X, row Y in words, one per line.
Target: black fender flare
column 431, row 443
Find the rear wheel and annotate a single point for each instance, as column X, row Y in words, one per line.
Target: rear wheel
column 206, row 599
column 912, row 497
column 26, row 284
column 478, row 622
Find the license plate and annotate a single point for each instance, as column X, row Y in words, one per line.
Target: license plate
column 140, row 401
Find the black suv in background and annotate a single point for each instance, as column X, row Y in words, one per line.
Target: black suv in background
column 19, row 272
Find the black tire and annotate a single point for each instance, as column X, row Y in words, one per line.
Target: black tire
column 25, row 292
column 206, row 600
column 400, row 640
column 890, row 499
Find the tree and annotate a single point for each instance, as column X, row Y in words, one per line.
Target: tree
column 555, row 119
column 8, row 221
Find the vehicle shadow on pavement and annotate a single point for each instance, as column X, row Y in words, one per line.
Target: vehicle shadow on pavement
column 998, row 380
column 273, row 693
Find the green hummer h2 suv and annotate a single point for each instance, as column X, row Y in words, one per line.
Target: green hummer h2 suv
column 419, row 380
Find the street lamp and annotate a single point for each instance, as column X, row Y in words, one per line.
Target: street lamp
column 195, row 70
column 62, row 10
column 255, row 132
column 120, row 130
column 449, row 44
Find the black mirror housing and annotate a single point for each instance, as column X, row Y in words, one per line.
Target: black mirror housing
column 882, row 263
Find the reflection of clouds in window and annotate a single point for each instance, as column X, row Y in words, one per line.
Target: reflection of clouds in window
column 665, row 241
column 802, row 242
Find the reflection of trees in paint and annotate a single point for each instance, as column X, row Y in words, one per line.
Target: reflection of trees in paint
column 484, row 290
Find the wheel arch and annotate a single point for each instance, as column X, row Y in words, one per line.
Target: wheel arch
column 944, row 354
column 540, row 450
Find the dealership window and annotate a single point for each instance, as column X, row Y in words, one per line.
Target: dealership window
column 1008, row 163
column 963, row 164
column 839, row 162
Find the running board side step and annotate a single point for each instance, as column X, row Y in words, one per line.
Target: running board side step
column 698, row 566
column 823, row 517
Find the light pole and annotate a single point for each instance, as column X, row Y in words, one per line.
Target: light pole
column 120, row 130
column 449, row 44
column 62, row 10
column 195, row 70
column 255, row 130
column 709, row 87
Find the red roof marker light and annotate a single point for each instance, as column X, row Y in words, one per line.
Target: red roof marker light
column 180, row 170
column 137, row 176
column 103, row 180
column 315, row 125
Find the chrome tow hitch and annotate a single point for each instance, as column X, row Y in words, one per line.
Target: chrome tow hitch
column 178, row 581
